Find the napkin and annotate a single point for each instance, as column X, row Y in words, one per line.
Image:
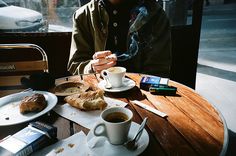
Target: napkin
column 72, row 146
column 86, row 119
column 100, row 146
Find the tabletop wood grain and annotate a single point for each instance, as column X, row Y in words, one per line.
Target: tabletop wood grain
column 193, row 125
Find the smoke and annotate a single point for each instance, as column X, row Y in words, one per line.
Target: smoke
column 133, row 46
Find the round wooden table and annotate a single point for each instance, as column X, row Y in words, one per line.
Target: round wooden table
column 193, row 126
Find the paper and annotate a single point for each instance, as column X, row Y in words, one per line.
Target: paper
column 96, row 142
column 72, row 146
column 153, row 110
column 86, row 119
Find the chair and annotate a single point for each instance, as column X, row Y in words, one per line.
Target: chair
column 55, row 44
column 17, row 61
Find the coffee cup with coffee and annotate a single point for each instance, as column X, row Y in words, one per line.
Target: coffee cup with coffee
column 115, row 125
column 114, row 75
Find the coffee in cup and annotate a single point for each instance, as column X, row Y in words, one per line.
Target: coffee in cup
column 116, row 117
column 116, row 122
column 115, row 69
column 114, row 75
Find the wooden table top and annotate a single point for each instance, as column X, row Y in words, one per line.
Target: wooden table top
column 193, row 125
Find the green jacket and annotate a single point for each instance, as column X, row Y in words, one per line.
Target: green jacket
column 90, row 31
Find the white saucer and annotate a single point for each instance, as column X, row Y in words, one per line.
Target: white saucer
column 104, row 148
column 127, row 84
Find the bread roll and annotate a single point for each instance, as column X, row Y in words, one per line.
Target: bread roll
column 91, row 100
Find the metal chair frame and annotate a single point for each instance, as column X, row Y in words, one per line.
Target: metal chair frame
column 12, row 72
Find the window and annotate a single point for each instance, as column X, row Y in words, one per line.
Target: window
column 38, row 15
column 56, row 15
column 178, row 11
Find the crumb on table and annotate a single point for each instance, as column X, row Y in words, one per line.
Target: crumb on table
column 71, row 145
column 59, row 150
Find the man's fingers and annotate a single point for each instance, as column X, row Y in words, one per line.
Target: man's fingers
column 111, row 57
column 101, row 54
column 105, row 66
column 103, row 60
column 99, row 62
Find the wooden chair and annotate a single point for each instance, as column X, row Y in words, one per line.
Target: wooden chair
column 17, row 61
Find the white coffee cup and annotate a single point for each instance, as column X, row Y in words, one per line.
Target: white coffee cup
column 113, row 126
column 114, row 75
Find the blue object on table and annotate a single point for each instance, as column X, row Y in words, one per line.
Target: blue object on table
column 148, row 81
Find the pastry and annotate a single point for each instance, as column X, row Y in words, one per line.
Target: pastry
column 91, row 100
column 34, row 103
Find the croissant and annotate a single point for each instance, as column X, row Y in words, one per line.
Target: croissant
column 34, row 103
column 91, row 100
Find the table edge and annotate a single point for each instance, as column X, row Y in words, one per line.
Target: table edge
column 226, row 134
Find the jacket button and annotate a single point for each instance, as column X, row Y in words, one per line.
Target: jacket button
column 115, row 12
column 115, row 24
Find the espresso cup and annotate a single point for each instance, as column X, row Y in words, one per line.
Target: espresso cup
column 114, row 75
column 115, row 125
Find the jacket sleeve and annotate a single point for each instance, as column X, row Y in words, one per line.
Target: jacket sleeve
column 157, row 60
column 82, row 49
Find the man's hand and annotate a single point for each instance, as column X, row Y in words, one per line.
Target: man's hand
column 103, row 60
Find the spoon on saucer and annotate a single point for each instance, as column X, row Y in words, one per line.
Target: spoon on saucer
column 108, row 84
column 131, row 144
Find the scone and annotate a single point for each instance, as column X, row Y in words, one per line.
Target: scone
column 91, row 100
column 34, row 103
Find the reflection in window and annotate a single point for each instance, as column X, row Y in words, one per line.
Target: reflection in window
column 37, row 15
column 56, row 15
column 178, row 11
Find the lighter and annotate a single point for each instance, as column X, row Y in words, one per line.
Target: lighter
column 162, row 90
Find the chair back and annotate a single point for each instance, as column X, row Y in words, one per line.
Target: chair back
column 20, row 60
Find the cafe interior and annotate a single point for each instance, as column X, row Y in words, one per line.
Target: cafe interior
column 45, row 109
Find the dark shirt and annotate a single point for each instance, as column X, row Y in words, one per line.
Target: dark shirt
column 118, row 26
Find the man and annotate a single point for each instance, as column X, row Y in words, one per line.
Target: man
column 131, row 33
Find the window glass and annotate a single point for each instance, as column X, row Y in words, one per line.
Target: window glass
column 37, row 15
column 56, row 15
column 178, row 11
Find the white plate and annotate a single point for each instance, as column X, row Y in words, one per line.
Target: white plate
column 127, row 84
column 107, row 149
column 9, row 108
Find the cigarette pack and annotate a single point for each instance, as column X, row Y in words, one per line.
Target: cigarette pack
column 33, row 137
column 148, row 81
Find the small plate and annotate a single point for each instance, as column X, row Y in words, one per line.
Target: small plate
column 10, row 111
column 127, row 84
column 107, row 149
column 70, row 88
